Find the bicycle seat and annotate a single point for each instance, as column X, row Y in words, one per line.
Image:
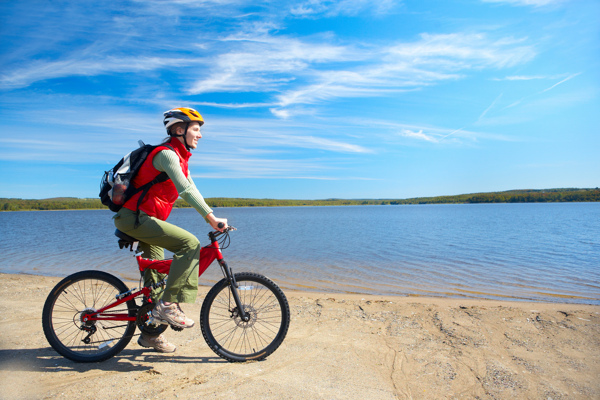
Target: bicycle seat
column 125, row 240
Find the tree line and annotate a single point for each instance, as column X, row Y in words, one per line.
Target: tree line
column 511, row 196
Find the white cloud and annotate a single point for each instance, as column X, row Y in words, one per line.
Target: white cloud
column 243, row 166
column 460, row 51
column 418, row 135
column 520, row 78
column 307, row 72
column 331, row 8
column 284, row 114
column 489, row 107
column 265, row 63
column 84, row 67
column 534, row 3
column 281, row 135
column 535, row 94
column 428, row 133
column 170, row 8
column 528, row 77
column 568, row 78
column 287, row 71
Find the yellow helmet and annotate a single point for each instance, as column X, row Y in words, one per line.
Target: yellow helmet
column 181, row 114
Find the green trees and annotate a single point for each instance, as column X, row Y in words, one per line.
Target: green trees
column 511, row 196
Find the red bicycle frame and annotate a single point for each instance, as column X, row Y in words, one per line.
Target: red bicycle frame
column 207, row 255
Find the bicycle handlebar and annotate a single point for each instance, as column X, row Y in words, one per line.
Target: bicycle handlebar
column 220, row 225
column 215, row 235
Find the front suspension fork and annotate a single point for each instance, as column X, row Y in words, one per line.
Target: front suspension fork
column 233, row 286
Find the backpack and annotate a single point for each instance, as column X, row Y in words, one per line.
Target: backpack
column 116, row 185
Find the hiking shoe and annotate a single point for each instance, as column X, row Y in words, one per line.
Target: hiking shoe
column 171, row 314
column 159, row 343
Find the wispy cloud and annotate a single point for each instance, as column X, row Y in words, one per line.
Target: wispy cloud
column 460, row 51
column 410, row 66
column 279, row 134
column 240, row 166
column 489, row 108
column 534, row 3
column 524, row 78
column 75, row 66
column 418, row 135
column 226, row 166
column 331, row 8
column 427, row 134
column 309, row 72
column 298, row 89
column 264, row 64
column 289, row 72
column 561, row 82
column 568, row 78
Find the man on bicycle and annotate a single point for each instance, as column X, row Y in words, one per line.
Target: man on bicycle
column 147, row 223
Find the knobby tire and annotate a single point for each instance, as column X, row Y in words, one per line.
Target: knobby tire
column 85, row 291
column 235, row 340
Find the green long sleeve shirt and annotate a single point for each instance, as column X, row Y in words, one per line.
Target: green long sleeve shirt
column 167, row 161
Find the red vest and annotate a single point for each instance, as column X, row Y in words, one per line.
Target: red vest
column 159, row 201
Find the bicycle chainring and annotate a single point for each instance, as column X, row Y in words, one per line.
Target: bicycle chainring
column 143, row 315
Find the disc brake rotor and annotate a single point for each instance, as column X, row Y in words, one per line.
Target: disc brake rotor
column 252, row 313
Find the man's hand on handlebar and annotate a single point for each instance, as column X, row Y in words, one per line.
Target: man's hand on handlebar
column 219, row 224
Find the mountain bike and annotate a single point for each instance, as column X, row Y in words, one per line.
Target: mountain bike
column 91, row 316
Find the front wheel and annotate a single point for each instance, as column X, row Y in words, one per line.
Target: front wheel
column 87, row 341
column 234, row 339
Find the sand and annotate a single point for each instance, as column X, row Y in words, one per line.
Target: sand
column 338, row 347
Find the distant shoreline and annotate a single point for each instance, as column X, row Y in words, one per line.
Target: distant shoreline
column 567, row 195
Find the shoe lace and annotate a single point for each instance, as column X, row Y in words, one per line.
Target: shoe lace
column 180, row 311
column 160, row 339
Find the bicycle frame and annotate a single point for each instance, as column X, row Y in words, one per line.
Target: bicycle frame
column 207, row 255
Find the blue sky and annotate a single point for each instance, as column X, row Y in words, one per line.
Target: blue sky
column 305, row 99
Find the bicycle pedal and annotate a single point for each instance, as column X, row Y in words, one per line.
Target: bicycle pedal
column 154, row 321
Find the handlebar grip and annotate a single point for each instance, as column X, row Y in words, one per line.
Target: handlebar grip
column 220, row 225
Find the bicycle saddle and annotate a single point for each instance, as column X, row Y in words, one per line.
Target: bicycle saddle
column 125, row 240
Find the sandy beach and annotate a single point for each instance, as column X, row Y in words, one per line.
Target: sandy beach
column 338, row 347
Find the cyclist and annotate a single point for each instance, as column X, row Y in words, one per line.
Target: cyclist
column 148, row 222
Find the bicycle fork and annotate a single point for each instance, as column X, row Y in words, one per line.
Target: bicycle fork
column 233, row 286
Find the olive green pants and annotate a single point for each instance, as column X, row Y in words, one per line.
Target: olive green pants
column 154, row 236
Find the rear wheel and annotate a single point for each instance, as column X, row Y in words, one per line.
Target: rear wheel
column 80, row 294
column 234, row 339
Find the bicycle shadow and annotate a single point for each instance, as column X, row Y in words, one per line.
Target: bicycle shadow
column 129, row 360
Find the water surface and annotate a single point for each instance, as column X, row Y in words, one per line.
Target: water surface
column 542, row 252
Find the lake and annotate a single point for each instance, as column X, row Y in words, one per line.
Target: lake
column 541, row 251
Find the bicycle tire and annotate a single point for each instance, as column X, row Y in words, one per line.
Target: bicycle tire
column 238, row 341
column 63, row 328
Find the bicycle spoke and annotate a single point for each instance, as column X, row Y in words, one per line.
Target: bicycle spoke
column 84, row 293
column 246, row 337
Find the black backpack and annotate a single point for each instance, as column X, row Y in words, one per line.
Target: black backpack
column 116, row 186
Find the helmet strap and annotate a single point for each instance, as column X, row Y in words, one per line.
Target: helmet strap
column 187, row 146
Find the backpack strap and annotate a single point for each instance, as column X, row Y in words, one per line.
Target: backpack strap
column 162, row 177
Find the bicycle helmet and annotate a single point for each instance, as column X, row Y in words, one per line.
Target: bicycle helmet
column 185, row 115
column 181, row 114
